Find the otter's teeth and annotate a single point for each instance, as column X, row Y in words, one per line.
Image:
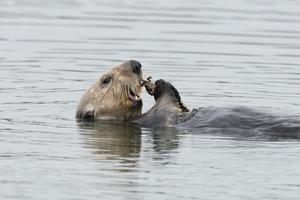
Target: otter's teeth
column 131, row 95
column 134, row 94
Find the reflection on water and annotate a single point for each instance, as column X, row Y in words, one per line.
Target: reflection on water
column 216, row 53
column 116, row 139
column 165, row 139
column 123, row 140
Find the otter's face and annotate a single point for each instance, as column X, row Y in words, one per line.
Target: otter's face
column 115, row 95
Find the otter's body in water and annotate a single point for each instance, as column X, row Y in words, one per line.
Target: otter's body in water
column 114, row 95
column 169, row 111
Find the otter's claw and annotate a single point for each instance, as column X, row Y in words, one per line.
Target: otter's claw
column 149, row 85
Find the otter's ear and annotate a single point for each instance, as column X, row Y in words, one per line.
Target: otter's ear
column 87, row 115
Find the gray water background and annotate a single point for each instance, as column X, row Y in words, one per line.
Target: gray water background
column 216, row 53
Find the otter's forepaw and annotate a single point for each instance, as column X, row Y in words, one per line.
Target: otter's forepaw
column 149, row 85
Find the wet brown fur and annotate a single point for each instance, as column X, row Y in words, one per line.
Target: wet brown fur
column 108, row 97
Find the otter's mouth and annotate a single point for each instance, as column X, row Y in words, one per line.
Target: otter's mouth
column 134, row 96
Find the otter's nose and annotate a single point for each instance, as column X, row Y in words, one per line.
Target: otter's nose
column 136, row 67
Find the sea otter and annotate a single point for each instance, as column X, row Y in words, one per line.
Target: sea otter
column 115, row 95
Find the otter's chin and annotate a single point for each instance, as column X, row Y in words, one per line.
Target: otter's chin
column 137, row 103
column 133, row 109
column 134, row 104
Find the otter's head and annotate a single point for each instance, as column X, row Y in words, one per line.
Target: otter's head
column 165, row 93
column 115, row 95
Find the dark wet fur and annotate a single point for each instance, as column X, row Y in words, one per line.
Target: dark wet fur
column 163, row 87
column 242, row 122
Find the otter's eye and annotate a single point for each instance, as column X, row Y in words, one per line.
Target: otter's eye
column 107, row 80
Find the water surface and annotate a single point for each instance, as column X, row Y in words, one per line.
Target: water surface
column 217, row 53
